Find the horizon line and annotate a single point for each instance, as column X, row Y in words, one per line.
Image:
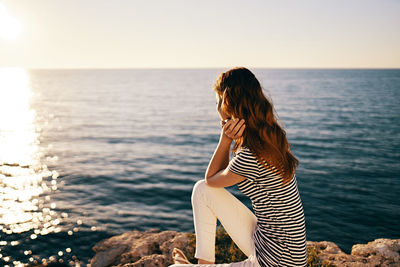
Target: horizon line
column 182, row 68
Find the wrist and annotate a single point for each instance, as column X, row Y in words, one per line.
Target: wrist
column 225, row 139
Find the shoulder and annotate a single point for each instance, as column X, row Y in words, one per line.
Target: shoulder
column 244, row 150
column 246, row 153
column 245, row 157
column 244, row 163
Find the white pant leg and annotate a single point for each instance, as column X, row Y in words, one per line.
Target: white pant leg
column 210, row 203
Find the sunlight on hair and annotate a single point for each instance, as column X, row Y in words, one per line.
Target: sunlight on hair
column 10, row 27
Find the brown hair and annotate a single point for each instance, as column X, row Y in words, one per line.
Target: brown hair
column 241, row 96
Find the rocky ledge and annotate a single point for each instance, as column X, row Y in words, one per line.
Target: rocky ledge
column 153, row 248
column 380, row 252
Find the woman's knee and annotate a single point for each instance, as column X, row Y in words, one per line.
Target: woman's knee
column 198, row 188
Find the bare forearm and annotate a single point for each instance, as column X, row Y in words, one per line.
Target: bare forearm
column 220, row 159
column 231, row 130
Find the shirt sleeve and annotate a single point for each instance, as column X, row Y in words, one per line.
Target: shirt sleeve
column 245, row 164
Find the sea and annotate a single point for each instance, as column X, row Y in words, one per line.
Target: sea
column 86, row 154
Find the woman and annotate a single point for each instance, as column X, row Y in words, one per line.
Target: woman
column 264, row 170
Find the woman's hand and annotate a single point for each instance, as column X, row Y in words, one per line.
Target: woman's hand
column 233, row 128
column 215, row 174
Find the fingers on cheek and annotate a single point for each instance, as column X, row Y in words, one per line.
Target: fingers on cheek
column 226, row 126
column 239, row 132
column 227, row 130
column 231, row 128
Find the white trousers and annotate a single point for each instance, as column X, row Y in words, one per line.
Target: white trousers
column 211, row 203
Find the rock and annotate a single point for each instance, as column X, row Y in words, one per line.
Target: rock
column 151, row 260
column 384, row 250
column 153, row 248
column 380, row 252
column 135, row 248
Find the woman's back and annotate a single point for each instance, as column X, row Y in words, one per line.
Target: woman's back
column 280, row 237
column 264, row 170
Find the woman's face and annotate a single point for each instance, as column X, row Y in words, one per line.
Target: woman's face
column 222, row 115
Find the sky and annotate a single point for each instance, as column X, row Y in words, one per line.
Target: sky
column 200, row 34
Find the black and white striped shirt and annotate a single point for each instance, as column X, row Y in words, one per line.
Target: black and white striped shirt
column 280, row 236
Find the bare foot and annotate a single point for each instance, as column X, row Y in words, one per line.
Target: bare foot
column 179, row 257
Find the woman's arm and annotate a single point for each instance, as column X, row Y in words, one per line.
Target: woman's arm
column 217, row 175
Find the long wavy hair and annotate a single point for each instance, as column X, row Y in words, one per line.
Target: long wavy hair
column 241, row 96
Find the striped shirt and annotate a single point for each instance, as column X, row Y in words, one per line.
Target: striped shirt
column 280, row 235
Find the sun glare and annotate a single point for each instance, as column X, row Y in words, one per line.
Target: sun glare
column 24, row 205
column 10, row 27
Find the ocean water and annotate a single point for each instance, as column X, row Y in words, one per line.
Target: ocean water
column 87, row 154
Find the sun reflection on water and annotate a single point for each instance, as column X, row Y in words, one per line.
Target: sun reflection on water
column 23, row 178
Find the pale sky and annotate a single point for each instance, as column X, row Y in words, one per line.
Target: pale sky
column 200, row 34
